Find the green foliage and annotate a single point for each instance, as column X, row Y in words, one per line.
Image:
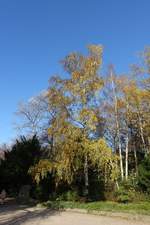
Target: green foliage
column 128, row 191
column 14, row 168
column 144, row 175
column 40, row 192
column 69, row 196
column 124, row 196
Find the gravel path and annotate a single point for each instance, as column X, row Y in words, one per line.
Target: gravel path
column 33, row 216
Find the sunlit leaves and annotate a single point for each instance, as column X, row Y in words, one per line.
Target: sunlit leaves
column 75, row 119
column 41, row 169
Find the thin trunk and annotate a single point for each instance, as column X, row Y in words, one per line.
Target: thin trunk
column 114, row 144
column 141, row 131
column 86, row 176
column 136, row 161
column 117, row 125
column 117, row 185
column 126, row 159
column 51, row 146
column 127, row 141
column 148, row 144
column 120, row 156
column 135, row 153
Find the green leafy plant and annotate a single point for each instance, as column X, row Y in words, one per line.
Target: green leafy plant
column 144, row 175
column 69, row 196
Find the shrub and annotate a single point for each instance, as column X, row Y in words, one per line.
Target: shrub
column 144, row 175
column 126, row 192
column 69, row 196
column 125, row 196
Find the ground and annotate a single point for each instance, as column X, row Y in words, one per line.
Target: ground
column 21, row 215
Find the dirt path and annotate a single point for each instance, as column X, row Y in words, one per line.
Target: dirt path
column 17, row 215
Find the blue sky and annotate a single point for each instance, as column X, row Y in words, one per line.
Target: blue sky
column 36, row 34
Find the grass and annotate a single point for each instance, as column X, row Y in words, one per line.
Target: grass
column 136, row 208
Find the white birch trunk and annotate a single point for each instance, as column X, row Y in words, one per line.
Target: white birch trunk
column 117, row 125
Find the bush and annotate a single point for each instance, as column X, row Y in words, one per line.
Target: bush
column 69, row 196
column 144, row 175
column 126, row 192
column 130, row 192
column 141, row 197
column 125, row 196
column 14, row 168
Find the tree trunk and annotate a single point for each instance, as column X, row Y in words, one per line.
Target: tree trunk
column 86, row 176
column 117, row 124
column 136, row 161
column 127, row 139
column 141, row 131
column 120, row 156
column 126, row 158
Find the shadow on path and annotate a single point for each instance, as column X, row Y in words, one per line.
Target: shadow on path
column 17, row 214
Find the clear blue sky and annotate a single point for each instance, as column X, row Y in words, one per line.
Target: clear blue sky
column 36, row 34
